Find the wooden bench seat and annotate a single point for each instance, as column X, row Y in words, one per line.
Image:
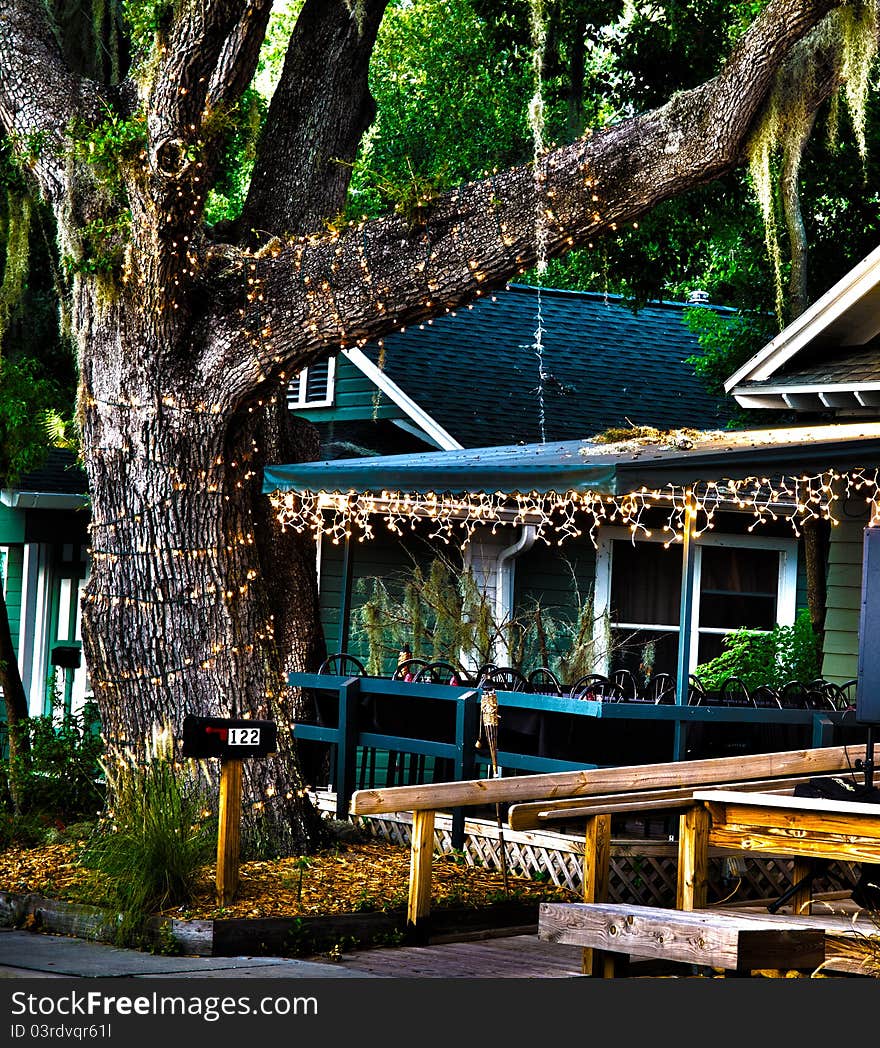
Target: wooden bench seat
column 734, row 942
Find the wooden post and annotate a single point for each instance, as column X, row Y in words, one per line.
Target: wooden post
column 686, row 611
column 802, row 900
column 229, row 831
column 693, row 859
column 420, row 858
column 597, row 858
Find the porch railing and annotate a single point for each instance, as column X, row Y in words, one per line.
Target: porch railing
column 358, row 714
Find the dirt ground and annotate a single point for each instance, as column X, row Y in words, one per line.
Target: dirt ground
column 349, row 877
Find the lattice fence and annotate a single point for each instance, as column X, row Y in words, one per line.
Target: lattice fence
column 642, row 871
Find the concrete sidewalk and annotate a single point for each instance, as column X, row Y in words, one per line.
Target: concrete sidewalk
column 37, row 955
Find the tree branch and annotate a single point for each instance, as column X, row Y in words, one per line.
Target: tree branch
column 317, row 116
column 39, row 94
column 238, row 59
column 308, row 298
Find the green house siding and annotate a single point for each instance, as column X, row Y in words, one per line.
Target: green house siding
column 11, row 525
column 843, row 600
column 386, row 557
column 14, row 573
column 354, row 397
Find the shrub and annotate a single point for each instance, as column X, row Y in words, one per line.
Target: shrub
column 155, row 838
column 783, row 654
column 57, row 770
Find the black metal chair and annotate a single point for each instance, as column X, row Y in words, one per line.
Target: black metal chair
column 820, row 695
column 848, row 690
column 544, row 680
column 659, row 689
column 595, row 686
column 625, row 680
column 766, row 697
column 697, row 694
column 793, row 695
column 342, row 665
column 441, row 673
column 408, row 669
column 735, row 693
column 505, row 678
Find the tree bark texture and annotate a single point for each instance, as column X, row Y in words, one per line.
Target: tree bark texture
column 196, row 603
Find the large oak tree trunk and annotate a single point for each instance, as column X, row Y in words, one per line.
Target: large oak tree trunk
column 192, row 597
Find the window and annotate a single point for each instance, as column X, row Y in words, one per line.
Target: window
column 313, row 386
column 739, row 581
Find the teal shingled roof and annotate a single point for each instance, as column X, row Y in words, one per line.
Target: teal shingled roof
column 476, row 373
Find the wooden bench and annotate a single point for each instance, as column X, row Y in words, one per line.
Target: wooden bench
column 734, row 942
column 592, row 795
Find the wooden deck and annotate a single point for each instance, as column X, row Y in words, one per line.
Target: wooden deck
column 521, row 956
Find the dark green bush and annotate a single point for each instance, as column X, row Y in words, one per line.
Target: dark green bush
column 57, row 769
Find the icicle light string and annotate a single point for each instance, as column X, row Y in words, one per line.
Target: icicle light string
column 557, row 517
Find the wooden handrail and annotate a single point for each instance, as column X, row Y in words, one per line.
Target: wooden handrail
column 475, row 792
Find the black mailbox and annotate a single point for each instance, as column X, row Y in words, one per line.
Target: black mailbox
column 229, row 737
column 67, row 656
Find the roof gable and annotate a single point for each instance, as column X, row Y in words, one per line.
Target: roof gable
column 827, row 356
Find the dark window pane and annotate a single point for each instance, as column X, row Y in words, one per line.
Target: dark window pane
column 729, row 611
column 630, row 652
column 739, row 570
column 710, row 647
column 738, row 587
column 645, row 583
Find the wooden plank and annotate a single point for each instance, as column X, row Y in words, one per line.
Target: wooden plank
column 529, row 815
column 589, row 782
column 695, row 937
column 818, row 805
column 799, row 826
column 421, row 857
column 693, row 859
column 228, row 832
column 597, row 868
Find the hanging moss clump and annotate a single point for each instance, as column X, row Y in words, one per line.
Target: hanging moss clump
column 15, row 265
column 848, row 38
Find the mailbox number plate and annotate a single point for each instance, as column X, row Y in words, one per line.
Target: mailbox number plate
column 244, row 736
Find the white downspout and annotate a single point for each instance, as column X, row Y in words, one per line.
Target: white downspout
column 504, row 583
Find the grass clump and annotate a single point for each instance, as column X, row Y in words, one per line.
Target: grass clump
column 154, row 839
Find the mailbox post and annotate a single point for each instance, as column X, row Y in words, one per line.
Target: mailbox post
column 231, row 740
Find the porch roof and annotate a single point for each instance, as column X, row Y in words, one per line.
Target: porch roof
column 675, row 459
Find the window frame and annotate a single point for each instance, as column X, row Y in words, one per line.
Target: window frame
column 786, row 584
column 296, row 401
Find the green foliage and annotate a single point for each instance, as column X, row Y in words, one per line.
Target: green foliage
column 451, row 105
column 155, row 838
column 57, row 770
column 102, row 245
column 16, row 236
column 25, row 394
column 783, row 654
column 107, row 146
column 239, row 129
column 145, row 21
column 727, row 342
